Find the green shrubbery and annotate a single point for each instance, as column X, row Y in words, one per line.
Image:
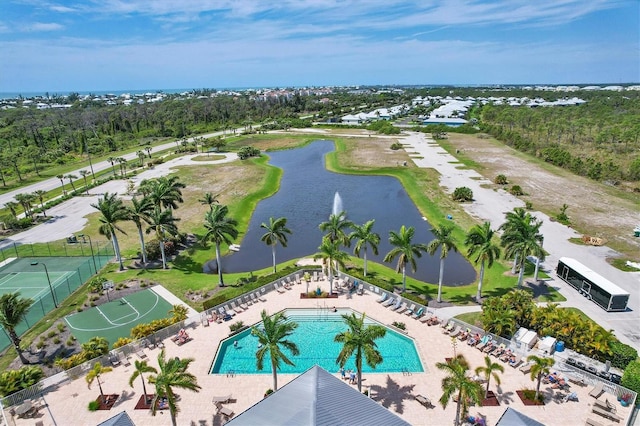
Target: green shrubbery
column 247, row 152
column 462, row 193
column 12, row 381
column 384, row 127
column 631, row 377
column 623, row 354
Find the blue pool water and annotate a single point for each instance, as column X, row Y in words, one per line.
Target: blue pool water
column 314, row 338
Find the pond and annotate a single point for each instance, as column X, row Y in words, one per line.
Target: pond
column 306, row 198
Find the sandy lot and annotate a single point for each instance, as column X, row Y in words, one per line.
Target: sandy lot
column 594, row 208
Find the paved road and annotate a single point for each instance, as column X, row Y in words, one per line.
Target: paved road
column 70, row 217
column 53, row 183
column 492, row 205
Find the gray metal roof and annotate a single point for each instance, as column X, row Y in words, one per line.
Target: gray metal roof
column 317, row 398
column 120, row 419
column 512, row 417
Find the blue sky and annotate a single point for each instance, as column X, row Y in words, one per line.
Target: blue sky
column 69, row 45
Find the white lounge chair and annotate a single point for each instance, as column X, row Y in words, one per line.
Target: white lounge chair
column 237, row 309
column 382, row 298
column 390, row 301
column 298, row 281
column 278, row 289
column 402, row 308
column 418, row 314
column 397, row 305
column 221, row 399
column 260, row 297
column 410, row 310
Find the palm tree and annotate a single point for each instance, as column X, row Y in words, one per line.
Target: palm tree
column 12, row 206
column 331, row 254
column 141, row 156
column 336, row 228
column 359, row 340
column 13, row 309
column 84, row 174
column 95, row 373
column 514, row 220
column 173, row 374
column 113, row 211
column 148, row 149
column 522, row 238
column 540, row 367
column 138, row 212
column 276, row 233
column 113, row 160
column 479, row 242
column 71, row 177
column 489, row 370
column 457, row 382
column 405, row 250
column 443, row 240
column 365, row 237
column 39, row 194
column 141, row 367
column 61, row 177
column 220, row 229
column 164, row 191
column 25, row 201
column 272, row 337
column 162, row 223
column 209, row 199
column 123, row 166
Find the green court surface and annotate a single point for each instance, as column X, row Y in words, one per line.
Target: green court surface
column 32, row 285
column 115, row 319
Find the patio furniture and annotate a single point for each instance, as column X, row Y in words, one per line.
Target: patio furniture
column 382, row 298
column 389, row 302
column 591, row 422
column 597, row 390
column 278, row 289
column 26, row 409
column 526, row 368
column 606, row 414
column 410, row 310
column 221, row 399
column 221, row 409
column 455, row 332
column 423, row 400
column 418, row 315
column 260, row 298
column 114, row 360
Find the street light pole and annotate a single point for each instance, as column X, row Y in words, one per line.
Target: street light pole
column 95, row 268
column 46, row 271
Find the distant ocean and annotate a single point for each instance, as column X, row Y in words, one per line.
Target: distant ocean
column 26, row 95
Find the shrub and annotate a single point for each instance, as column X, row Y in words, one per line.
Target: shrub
column 71, row 341
column 396, row 146
column 94, row 405
column 95, row 284
column 12, row 381
column 247, row 152
column 236, row 326
column 61, row 327
column 501, row 180
column 56, row 340
column 528, row 205
column 631, row 376
column 51, row 334
column 462, row 193
column 153, row 249
column 516, row 190
column 122, row 341
column 400, row 325
column 622, row 354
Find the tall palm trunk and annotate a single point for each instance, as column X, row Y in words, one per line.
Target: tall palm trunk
column 163, row 254
column 275, row 374
column 440, row 280
column 404, row 278
column 359, row 368
column 15, row 339
column 521, row 273
column 480, row 279
column 116, row 247
column 365, row 261
column 458, row 407
column 273, row 256
column 220, row 279
column 515, row 264
column 535, row 273
column 142, row 246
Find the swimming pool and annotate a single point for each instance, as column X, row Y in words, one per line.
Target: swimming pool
column 314, row 338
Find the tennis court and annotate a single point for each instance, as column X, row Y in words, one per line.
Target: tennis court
column 115, row 319
column 48, row 281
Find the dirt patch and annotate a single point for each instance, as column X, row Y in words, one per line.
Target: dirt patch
column 106, row 402
column 594, row 208
column 528, row 401
column 491, row 400
column 373, row 152
column 144, row 403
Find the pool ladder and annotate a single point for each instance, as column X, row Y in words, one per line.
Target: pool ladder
column 405, row 371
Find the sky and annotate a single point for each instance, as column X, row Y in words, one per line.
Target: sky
column 61, row 46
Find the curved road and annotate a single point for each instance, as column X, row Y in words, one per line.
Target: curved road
column 53, row 183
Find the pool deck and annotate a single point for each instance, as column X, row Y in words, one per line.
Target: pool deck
column 67, row 405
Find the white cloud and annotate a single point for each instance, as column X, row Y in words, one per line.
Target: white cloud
column 41, row 27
